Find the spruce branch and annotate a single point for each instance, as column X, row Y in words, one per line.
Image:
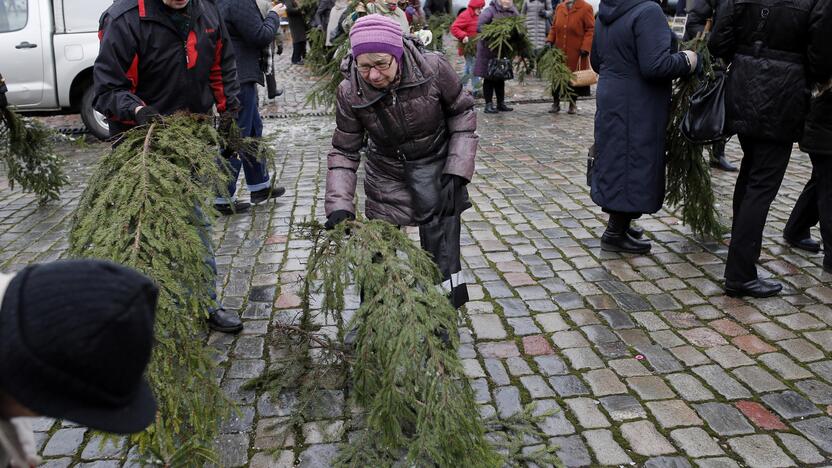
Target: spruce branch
column 552, row 69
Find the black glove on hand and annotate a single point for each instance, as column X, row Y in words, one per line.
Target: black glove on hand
column 541, row 13
column 450, row 201
column 337, row 217
column 148, row 114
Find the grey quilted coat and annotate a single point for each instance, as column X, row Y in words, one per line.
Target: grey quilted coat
column 416, row 131
column 537, row 28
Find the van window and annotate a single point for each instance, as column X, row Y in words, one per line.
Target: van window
column 83, row 15
column 13, row 15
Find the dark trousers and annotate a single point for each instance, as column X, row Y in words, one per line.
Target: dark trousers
column 440, row 237
column 490, row 87
column 298, row 51
column 814, row 204
column 763, row 167
column 256, row 171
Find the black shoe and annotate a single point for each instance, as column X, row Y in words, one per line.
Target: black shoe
column 723, row 165
column 278, row 92
column 754, row 288
column 504, row 108
column 808, row 244
column 490, row 109
column 239, row 207
column 224, row 321
column 827, row 266
column 615, row 242
column 573, row 109
column 299, row 62
column 555, row 108
column 260, row 196
column 635, row 232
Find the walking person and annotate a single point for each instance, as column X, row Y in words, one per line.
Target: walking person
column 538, row 14
column 250, row 34
column 572, row 30
column 297, row 28
column 143, row 72
column 634, row 55
column 815, row 203
column 492, row 85
column 420, row 128
column 464, row 29
column 767, row 98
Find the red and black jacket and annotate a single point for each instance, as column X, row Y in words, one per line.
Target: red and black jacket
column 143, row 60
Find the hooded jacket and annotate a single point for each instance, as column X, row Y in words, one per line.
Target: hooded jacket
column 536, row 27
column 765, row 42
column 633, row 53
column 143, row 60
column 465, row 25
column 817, row 135
column 416, row 131
column 250, row 32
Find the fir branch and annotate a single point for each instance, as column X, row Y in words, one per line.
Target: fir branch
column 552, row 69
column 154, row 226
column 507, row 36
column 688, row 172
column 438, row 24
column 27, row 150
column 325, row 89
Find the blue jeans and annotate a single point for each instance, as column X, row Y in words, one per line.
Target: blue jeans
column 469, row 73
column 256, row 171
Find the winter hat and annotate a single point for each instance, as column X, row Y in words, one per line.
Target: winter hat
column 376, row 34
column 476, row 4
column 75, row 338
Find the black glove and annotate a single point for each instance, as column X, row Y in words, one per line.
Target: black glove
column 148, row 114
column 452, row 200
column 279, row 49
column 337, row 217
column 541, row 13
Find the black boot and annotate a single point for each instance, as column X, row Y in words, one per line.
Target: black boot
column 718, row 160
column 490, row 109
column 238, row 207
column 755, row 288
column 635, row 232
column 259, row 196
column 617, row 238
column 502, row 107
column 555, row 108
column 225, row 321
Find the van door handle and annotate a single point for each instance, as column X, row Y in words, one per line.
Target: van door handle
column 25, row 45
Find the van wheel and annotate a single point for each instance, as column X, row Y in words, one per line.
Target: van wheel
column 95, row 121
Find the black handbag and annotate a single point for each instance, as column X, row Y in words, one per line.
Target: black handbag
column 704, row 122
column 499, row 69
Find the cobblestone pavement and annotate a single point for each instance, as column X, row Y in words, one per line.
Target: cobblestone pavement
column 645, row 359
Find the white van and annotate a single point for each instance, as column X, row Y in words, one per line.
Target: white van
column 47, row 51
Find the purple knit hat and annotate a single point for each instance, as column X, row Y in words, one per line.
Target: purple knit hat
column 376, row 34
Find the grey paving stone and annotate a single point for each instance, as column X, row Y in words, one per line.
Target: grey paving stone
column 604, row 382
column 569, row 339
column 56, row 463
column 645, row 440
column 617, row 319
column 240, row 420
column 695, row 442
column 568, row 385
column 481, row 391
column 760, row 450
column 721, row 462
column 790, row 405
column 628, row 367
column 724, row 419
column 729, row 356
column 232, row 449
column 551, row 365
column 667, row 462
column 623, row 407
column 497, row 372
column 551, row 322
column 650, row 387
column 801, row 349
column 673, row 413
column 318, row 455
column 720, row 381
column 100, row 464
column 689, row 387
column 556, row 424
column 823, row 369
column 784, row 366
column 64, row 442
column 803, row 450
column 599, row 334
column 488, row 327
column 818, row 430
column 583, row 358
column 571, row 451
column 523, row 326
column 508, row 401
column 758, row 379
column 246, row 368
column 817, row 391
column 662, row 361
column 518, row 366
column 281, row 459
column 606, row 449
column 537, row 387
column 98, row 448
column 513, row 307
column 587, row 412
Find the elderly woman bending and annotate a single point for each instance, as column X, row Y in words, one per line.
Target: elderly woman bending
column 421, row 144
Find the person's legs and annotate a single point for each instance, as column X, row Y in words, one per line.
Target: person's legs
column 822, row 167
column 256, row 171
column 297, row 52
column 763, row 167
column 805, row 213
column 555, row 104
column 617, row 237
column 488, row 94
column 218, row 318
column 718, row 159
column 500, row 90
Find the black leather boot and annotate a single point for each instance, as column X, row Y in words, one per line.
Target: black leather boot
column 225, row 321
column 502, row 107
column 718, row 160
column 617, row 238
column 755, row 288
column 807, row 243
column 635, row 232
column 490, row 109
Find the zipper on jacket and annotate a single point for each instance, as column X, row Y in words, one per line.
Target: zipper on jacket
column 402, row 123
column 187, row 59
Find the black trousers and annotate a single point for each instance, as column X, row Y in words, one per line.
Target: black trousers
column 298, row 51
column 761, row 173
column 490, row 87
column 814, row 204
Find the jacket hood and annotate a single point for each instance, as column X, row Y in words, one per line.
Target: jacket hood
column 611, row 10
column 498, row 7
column 476, row 3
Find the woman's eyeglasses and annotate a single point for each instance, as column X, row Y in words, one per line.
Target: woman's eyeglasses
column 364, row 69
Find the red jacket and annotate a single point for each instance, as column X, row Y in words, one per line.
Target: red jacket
column 465, row 25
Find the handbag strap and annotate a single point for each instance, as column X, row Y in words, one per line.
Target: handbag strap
column 580, row 68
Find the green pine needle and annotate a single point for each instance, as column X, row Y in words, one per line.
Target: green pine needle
column 552, row 69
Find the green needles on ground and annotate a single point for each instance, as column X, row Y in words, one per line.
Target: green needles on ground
column 27, row 151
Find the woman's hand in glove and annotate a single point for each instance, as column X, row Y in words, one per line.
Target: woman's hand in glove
column 337, row 217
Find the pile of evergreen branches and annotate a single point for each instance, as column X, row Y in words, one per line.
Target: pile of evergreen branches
column 688, row 172
column 26, row 148
column 508, row 38
column 552, row 69
column 147, row 206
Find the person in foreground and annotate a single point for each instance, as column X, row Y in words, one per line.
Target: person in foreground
column 75, row 338
column 421, row 142
column 634, row 53
column 767, row 99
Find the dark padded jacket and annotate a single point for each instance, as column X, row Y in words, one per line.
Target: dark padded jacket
column 765, row 42
column 817, row 136
column 422, row 128
column 250, row 33
column 143, row 60
column 699, row 14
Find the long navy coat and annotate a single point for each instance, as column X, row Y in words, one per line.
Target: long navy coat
column 633, row 54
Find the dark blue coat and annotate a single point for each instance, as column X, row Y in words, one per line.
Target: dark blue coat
column 250, row 33
column 633, row 53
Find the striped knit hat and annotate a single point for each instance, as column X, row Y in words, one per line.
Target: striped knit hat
column 376, row 34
